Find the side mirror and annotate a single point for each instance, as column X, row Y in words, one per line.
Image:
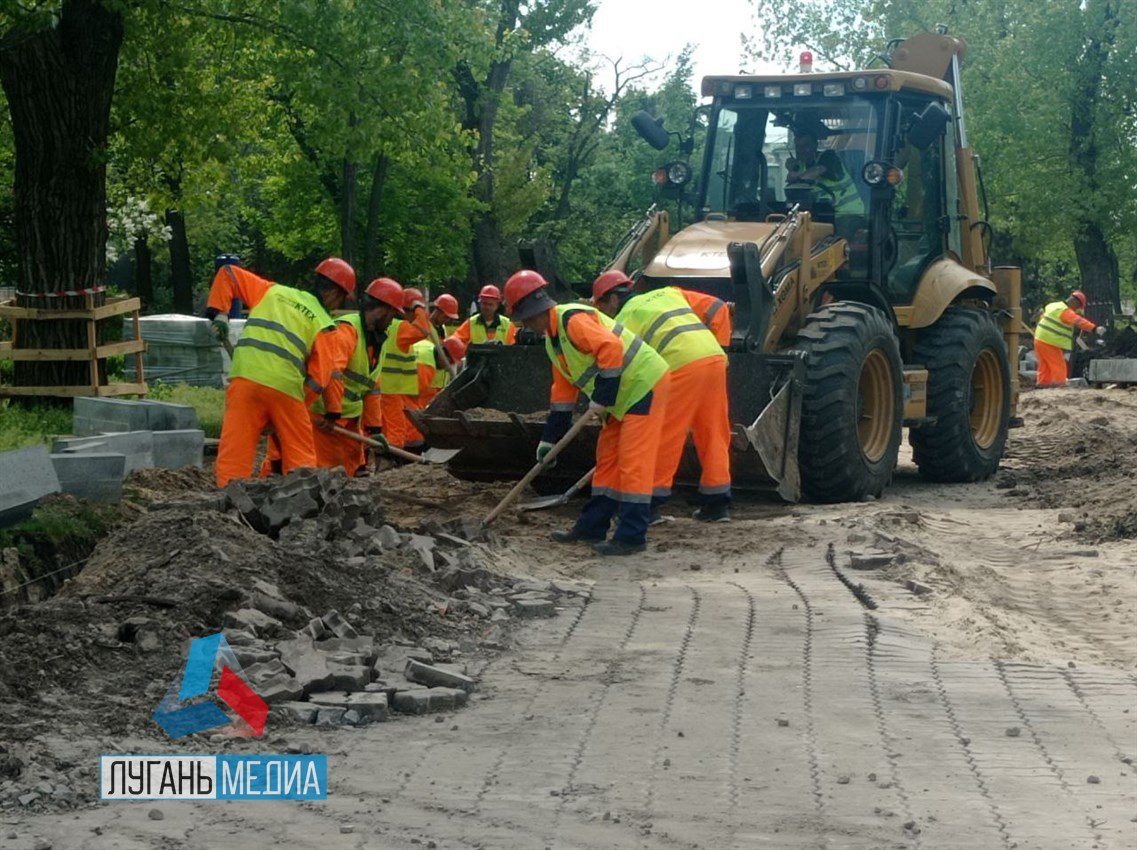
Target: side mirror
column 651, row 130
column 928, row 125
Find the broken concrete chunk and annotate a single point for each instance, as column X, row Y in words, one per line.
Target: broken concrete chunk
column 280, row 689
column 870, row 562
column 388, row 538
column 530, row 609
column 301, row 711
column 371, row 707
column 430, row 676
column 330, row 716
column 279, row 608
column 257, row 622
column 424, row 546
column 411, row 702
column 340, row 627
column 363, row 645
column 532, row 585
column 307, row 664
column 446, row 699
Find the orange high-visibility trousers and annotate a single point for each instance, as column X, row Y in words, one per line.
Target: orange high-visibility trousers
column 332, row 450
column 249, row 409
column 395, row 423
column 626, row 450
column 1051, row 365
column 699, row 406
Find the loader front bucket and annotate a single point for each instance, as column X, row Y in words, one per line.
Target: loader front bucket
column 495, row 409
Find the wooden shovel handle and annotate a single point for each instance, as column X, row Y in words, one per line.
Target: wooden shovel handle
column 397, row 452
column 539, row 467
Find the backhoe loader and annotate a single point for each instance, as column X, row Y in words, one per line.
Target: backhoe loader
column 839, row 213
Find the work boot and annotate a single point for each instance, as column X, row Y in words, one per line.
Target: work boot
column 573, row 535
column 713, row 513
column 609, row 548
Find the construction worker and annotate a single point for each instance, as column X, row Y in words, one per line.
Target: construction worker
column 432, row 372
column 380, row 305
column 446, row 307
column 829, row 178
column 281, row 364
column 1054, row 335
column 398, row 366
column 487, row 325
column 668, row 321
column 627, row 382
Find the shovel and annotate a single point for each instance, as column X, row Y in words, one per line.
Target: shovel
column 428, row 456
column 539, row 467
column 562, row 499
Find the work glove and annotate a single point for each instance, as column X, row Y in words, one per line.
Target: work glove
column 380, row 439
column 543, row 449
column 327, row 423
column 525, row 336
column 219, row 324
column 1100, row 330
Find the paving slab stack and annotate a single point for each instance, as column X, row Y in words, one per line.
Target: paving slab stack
column 113, row 438
column 183, row 350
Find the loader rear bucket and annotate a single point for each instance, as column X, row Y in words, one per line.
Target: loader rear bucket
column 495, row 409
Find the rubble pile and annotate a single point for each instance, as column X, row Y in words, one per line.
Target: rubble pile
column 336, row 617
column 1077, row 455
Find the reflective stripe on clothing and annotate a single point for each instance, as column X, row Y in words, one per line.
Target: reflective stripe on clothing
column 668, row 324
column 638, row 372
column 354, row 367
column 846, row 199
column 398, row 368
column 1052, row 330
column 277, row 340
column 480, row 334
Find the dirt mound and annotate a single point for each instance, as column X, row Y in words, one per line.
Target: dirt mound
column 1077, row 450
column 96, row 659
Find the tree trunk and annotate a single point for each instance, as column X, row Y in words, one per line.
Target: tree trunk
column 181, row 274
column 143, row 272
column 347, row 211
column 59, row 83
column 1097, row 261
column 1097, row 265
column 374, row 205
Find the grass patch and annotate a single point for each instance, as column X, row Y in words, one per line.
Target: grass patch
column 22, row 426
column 209, row 402
column 61, row 531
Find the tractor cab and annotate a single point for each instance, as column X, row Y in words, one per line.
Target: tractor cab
column 868, row 154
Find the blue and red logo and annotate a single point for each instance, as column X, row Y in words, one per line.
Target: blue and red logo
column 212, row 692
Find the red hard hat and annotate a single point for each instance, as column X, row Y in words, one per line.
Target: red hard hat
column 520, row 286
column 607, row 281
column 338, row 272
column 447, row 304
column 413, row 298
column 386, row 291
column 489, row 293
column 1080, row 297
column 455, row 348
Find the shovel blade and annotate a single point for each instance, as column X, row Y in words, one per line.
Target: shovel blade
column 543, row 503
column 439, row 455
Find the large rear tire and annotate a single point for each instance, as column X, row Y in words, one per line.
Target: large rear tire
column 852, row 406
column 969, row 397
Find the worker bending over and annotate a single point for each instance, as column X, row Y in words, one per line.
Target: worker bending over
column 674, row 321
column 487, row 325
column 432, row 372
column 1054, row 335
column 281, row 364
column 626, row 382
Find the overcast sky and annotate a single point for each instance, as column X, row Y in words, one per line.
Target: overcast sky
column 656, row 28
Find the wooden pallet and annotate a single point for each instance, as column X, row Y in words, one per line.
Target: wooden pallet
column 93, row 353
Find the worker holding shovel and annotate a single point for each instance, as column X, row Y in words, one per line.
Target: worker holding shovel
column 282, row 363
column 674, row 323
column 626, row 382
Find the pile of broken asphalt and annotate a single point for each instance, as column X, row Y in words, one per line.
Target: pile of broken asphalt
column 336, row 618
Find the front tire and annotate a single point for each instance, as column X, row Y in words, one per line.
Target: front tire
column 852, row 407
column 969, row 397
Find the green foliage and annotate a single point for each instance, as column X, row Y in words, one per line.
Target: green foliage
column 28, row 426
column 209, row 402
